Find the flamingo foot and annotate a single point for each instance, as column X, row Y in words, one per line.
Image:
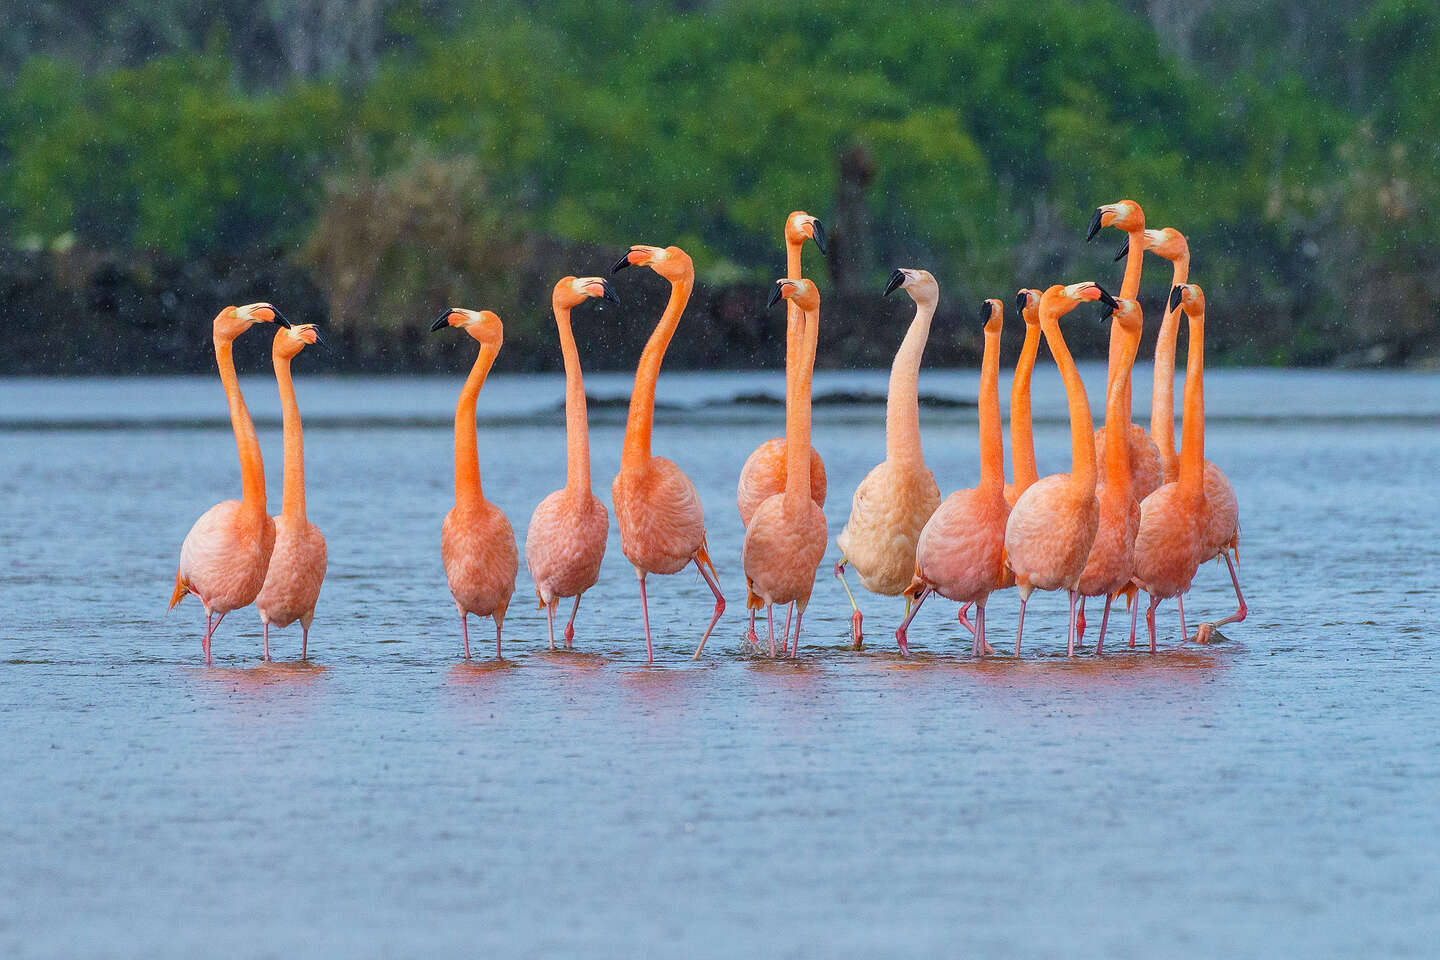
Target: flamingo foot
column 857, row 635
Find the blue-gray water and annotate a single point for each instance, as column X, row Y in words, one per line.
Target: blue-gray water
column 1270, row 795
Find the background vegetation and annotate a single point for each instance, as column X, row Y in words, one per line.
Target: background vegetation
column 371, row 160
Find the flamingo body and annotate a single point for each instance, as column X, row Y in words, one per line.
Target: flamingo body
column 1111, row 563
column 225, row 555
column 1146, row 470
column 1221, row 528
column 960, row 554
column 763, row 476
column 662, row 525
column 565, row 544
column 1050, row 533
column 295, row 573
column 1169, row 542
column 782, row 551
column 477, row 546
column 887, row 513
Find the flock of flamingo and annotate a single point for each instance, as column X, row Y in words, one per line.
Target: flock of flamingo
column 1131, row 514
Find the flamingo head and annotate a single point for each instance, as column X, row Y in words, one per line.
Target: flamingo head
column 803, row 293
column 1027, row 301
column 1168, row 243
column 672, row 263
column 1189, row 296
column 289, row 341
column 1127, row 314
column 992, row 314
column 920, row 284
column 483, row 325
column 573, row 291
column 233, row 321
column 800, row 226
column 1060, row 300
column 1125, row 215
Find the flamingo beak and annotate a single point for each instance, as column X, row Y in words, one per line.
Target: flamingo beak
column 1176, row 294
column 1106, row 299
column 1124, row 249
column 1095, row 224
column 442, row 321
column 817, row 233
column 1021, row 300
column 608, row 292
column 897, row 280
column 620, row 264
column 777, row 293
column 321, row 342
column 984, row 311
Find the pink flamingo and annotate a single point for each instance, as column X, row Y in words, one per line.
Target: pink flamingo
column 895, row 499
column 565, row 542
column 477, row 543
column 785, row 539
column 961, row 551
column 297, row 565
column 662, row 525
column 224, row 556
column 1052, row 526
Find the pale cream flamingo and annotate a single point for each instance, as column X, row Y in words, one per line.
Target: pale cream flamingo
column 224, row 556
column 477, row 543
column 1052, row 526
column 1111, row 564
column 1127, row 216
column 785, row 540
column 1171, row 543
column 297, row 566
column 565, row 542
column 895, row 499
column 961, row 551
column 662, row 525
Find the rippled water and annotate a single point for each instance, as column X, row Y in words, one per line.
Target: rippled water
column 1272, row 794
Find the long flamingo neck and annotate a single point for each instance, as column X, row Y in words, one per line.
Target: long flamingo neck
column 1082, row 428
column 797, row 420
column 1022, row 441
column 247, row 444
column 577, row 425
column 992, row 448
column 641, row 422
column 1162, row 395
column 468, row 493
column 902, row 404
column 293, row 503
column 794, row 324
column 1192, row 439
column 1117, row 420
column 1129, row 290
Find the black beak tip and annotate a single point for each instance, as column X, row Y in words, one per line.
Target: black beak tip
column 279, row 318
column 1094, row 225
column 620, row 264
column 818, row 233
column 897, row 279
column 1175, row 294
column 323, row 344
column 984, row 311
column 441, row 322
column 775, row 295
column 1108, row 300
column 1020, row 301
column 609, row 293
column 1124, row 250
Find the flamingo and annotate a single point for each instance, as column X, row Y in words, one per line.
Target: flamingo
column 785, row 539
column 1052, row 526
column 961, row 551
column 1111, row 564
column 297, row 565
column 224, row 556
column 1171, row 542
column 764, row 472
column 1022, row 441
column 662, row 525
column 565, row 542
column 1145, row 470
column 477, row 543
column 895, row 499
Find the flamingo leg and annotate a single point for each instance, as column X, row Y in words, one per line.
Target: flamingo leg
column 1104, row 620
column 267, row 642
column 645, row 615
column 855, row 618
column 1180, row 602
column 1070, row 634
column 305, row 639
column 570, row 627
column 211, row 641
column 789, row 612
column 1080, row 622
column 499, row 622
column 209, row 629
column 770, row 616
column 964, row 620
column 1243, row 611
column 719, row 607
column 465, row 633
column 751, row 637
column 795, row 647
column 1132, row 600
column 900, row 632
column 550, row 621
column 1020, row 627
column 1150, row 620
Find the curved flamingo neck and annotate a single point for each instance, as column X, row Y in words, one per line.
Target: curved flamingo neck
column 797, row 419
column 1129, row 290
column 1022, row 441
column 902, row 403
column 794, row 322
column 1082, row 427
column 468, row 493
column 292, row 505
column 577, row 425
column 247, row 444
column 1162, row 395
column 992, row 447
column 1192, row 439
column 641, row 422
column 1117, row 421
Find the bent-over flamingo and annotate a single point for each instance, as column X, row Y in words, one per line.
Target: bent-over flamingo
column 297, row 565
column 224, row 556
column 662, row 525
column 477, row 543
column 895, row 499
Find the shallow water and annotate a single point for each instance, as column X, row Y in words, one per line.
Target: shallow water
column 1268, row 795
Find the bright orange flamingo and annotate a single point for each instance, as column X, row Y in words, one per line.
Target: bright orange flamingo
column 764, row 472
column 1052, row 526
column 225, row 554
column 297, row 566
column 565, row 542
column 961, row 551
column 662, row 526
column 1171, row 542
column 785, row 540
column 1111, row 564
column 1145, row 470
column 895, row 499
column 477, row 543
